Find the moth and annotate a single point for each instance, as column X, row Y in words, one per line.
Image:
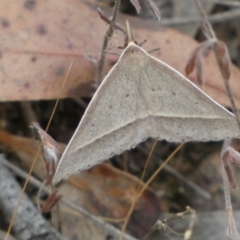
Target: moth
column 140, row 98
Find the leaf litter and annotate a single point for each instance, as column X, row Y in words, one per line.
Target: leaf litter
column 87, row 189
column 39, row 48
column 180, row 193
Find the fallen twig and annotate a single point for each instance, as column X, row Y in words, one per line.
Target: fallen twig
column 186, row 182
column 28, row 223
column 218, row 17
column 162, row 225
column 232, row 232
column 111, row 230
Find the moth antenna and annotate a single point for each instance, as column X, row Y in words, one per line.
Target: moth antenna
column 154, row 50
column 129, row 33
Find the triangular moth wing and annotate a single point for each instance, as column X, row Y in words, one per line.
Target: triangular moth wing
column 142, row 97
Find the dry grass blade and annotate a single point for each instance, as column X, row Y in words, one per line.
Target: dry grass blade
column 111, row 230
column 162, row 225
column 219, row 47
column 207, row 27
column 232, row 232
column 34, row 160
column 153, row 7
column 113, row 24
column 50, row 150
column 28, row 224
column 108, row 35
column 136, row 4
column 227, row 3
column 223, row 59
column 146, row 185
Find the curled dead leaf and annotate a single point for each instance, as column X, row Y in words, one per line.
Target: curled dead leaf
column 194, row 62
column 51, row 201
column 50, row 150
column 223, row 59
column 231, row 156
column 87, row 189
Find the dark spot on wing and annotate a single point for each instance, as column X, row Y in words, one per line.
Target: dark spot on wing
column 29, row 4
column 127, row 95
column 70, row 46
column 26, row 85
column 33, row 59
column 59, row 71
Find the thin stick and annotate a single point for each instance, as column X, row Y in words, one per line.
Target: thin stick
column 29, row 224
column 126, row 219
column 107, row 35
column 107, row 227
column 148, row 159
column 188, row 183
column 211, row 35
column 226, row 3
column 231, row 230
column 34, row 161
column 56, row 104
column 215, row 18
column 28, row 112
column 163, row 224
column 21, row 196
column 232, row 100
column 147, row 184
column 208, row 30
column 2, row 235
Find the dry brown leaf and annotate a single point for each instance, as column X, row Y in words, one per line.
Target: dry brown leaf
column 194, row 61
column 39, row 40
column 102, row 190
column 50, row 150
column 37, row 46
column 223, row 59
column 112, row 192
